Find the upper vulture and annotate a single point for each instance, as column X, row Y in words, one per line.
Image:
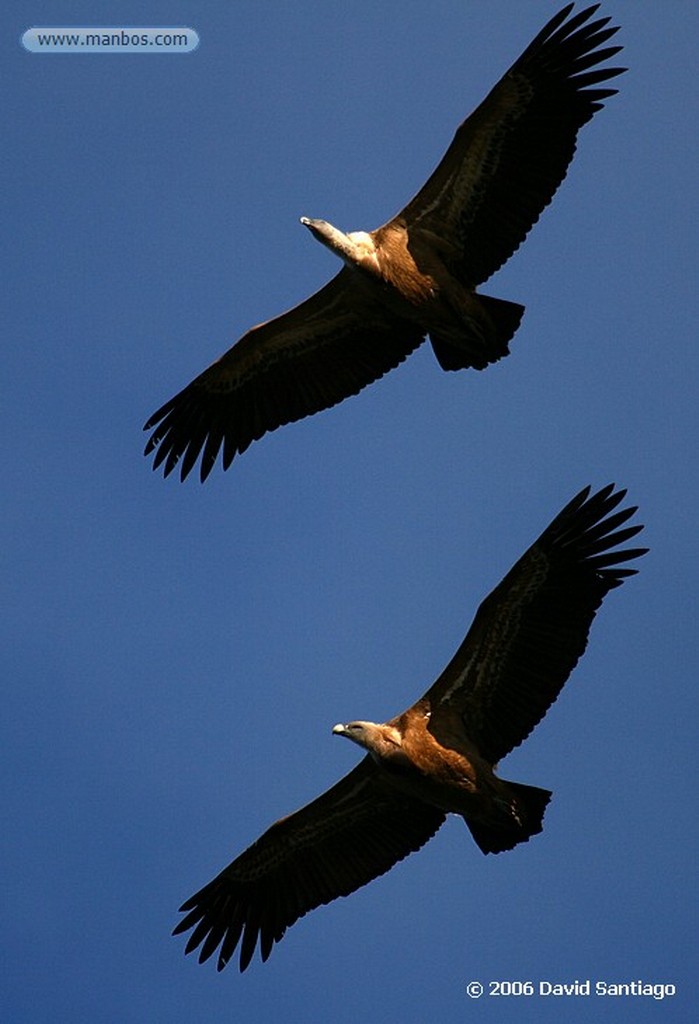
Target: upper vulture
column 416, row 275
column 439, row 755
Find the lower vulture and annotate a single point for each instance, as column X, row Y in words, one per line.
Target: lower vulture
column 438, row 757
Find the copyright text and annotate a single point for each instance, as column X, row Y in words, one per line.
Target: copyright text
column 576, row 989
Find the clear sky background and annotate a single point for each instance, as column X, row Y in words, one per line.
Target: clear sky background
column 176, row 655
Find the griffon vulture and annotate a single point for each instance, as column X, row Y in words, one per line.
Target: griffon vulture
column 416, row 275
column 437, row 757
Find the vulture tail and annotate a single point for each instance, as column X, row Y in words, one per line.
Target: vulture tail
column 525, row 818
column 487, row 330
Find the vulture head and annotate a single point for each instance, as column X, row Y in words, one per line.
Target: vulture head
column 379, row 740
column 356, row 248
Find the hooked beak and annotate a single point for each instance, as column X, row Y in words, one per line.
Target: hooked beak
column 316, row 227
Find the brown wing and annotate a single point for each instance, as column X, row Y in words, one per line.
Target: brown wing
column 308, row 359
column 529, row 633
column 508, row 158
column 351, row 834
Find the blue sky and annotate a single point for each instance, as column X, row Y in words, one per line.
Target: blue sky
column 176, row 655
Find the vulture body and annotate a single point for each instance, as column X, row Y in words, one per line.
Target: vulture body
column 437, row 757
column 416, row 275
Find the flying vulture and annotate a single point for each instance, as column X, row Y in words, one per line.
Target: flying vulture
column 418, row 273
column 437, row 757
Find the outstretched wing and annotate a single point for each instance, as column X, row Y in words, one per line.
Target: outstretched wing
column 529, row 633
column 351, row 834
column 508, row 158
column 308, row 359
